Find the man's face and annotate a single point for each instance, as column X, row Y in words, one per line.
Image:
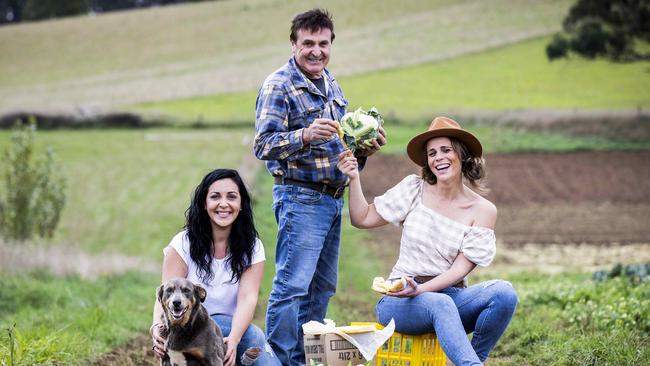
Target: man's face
column 312, row 51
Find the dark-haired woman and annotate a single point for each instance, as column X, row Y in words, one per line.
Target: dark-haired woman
column 220, row 250
column 447, row 229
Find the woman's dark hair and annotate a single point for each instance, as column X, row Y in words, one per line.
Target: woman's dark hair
column 199, row 229
column 312, row 20
column 472, row 168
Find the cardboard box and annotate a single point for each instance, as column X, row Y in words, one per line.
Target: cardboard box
column 331, row 349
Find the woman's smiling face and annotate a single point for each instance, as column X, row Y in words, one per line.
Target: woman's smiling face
column 223, row 202
column 442, row 159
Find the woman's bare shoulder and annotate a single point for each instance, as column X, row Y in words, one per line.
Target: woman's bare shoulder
column 485, row 204
column 485, row 212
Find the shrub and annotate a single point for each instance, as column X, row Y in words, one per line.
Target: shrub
column 33, row 194
column 613, row 29
column 638, row 272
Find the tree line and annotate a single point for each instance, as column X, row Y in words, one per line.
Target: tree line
column 14, row 11
column 618, row 30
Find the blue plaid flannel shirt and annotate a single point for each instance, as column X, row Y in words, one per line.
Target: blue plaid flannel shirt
column 287, row 103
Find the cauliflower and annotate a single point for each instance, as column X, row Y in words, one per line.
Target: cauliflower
column 359, row 128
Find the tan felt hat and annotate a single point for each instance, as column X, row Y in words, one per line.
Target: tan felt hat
column 442, row 127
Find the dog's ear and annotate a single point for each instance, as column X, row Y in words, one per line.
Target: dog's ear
column 160, row 293
column 200, row 292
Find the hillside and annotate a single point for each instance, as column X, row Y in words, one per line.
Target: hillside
column 216, row 47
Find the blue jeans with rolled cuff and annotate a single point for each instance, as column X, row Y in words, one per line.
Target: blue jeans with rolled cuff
column 253, row 337
column 484, row 309
column 306, row 266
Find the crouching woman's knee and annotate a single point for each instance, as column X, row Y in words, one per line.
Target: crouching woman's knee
column 254, row 338
column 439, row 304
column 505, row 295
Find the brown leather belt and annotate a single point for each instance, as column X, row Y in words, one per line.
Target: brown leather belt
column 423, row 279
column 336, row 192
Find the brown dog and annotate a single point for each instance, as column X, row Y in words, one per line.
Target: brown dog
column 193, row 337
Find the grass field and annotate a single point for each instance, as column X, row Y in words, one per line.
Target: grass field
column 167, row 53
column 66, row 320
column 108, row 172
column 127, row 194
column 568, row 319
column 128, row 189
column 512, row 77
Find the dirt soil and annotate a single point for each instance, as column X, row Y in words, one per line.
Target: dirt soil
column 583, row 210
column 597, row 198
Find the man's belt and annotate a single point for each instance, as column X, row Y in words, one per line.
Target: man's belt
column 336, row 192
column 423, row 279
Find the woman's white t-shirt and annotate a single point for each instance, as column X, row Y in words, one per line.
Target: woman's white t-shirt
column 221, row 293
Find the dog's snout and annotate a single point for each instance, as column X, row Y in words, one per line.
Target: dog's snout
column 176, row 303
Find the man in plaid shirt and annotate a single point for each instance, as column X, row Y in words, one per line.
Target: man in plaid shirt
column 296, row 112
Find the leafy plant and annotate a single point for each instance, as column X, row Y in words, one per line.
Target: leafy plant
column 33, row 194
column 12, row 343
column 635, row 272
column 568, row 319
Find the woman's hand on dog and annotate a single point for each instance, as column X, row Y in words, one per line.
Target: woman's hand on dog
column 158, row 341
column 231, row 351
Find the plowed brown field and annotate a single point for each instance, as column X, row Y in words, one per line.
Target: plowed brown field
column 560, row 198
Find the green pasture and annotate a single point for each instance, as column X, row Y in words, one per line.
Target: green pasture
column 513, row 77
column 509, row 78
column 146, row 209
column 66, row 320
column 118, row 59
column 128, row 190
column 568, row 319
column 563, row 319
column 127, row 194
column 187, row 38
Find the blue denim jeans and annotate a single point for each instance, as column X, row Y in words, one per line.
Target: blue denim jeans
column 253, row 337
column 484, row 309
column 306, row 266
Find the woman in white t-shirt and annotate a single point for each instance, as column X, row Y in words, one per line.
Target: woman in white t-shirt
column 447, row 229
column 220, row 250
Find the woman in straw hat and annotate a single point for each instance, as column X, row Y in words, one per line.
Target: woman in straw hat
column 447, row 229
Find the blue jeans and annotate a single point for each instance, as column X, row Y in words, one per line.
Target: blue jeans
column 485, row 309
column 306, row 266
column 253, row 337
